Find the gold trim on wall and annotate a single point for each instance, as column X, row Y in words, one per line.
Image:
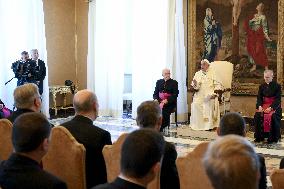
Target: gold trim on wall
column 191, row 29
column 237, row 88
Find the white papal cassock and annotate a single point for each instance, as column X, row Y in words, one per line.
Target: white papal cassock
column 205, row 113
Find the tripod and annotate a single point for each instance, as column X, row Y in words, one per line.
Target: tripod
column 9, row 80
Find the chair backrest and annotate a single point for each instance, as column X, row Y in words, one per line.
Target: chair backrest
column 66, row 158
column 191, row 171
column 224, row 73
column 6, row 146
column 277, row 180
column 112, row 158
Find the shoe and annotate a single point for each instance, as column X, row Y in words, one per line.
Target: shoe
column 271, row 141
column 257, row 140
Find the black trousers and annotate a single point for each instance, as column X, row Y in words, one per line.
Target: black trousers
column 274, row 134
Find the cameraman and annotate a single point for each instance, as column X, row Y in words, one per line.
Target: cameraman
column 24, row 69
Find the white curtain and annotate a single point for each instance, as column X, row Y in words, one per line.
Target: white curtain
column 107, row 54
column 141, row 32
column 179, row 64
column 22, row 28
column 149, row 44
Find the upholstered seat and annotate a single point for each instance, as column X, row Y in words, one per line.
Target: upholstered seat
column 191, row 172
column 66, row 158
column 6, row 146
column 277, row 178
column 112, row 158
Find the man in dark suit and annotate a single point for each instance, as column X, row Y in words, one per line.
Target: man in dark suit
column 141, row 154
column 93, row 138
column 234, row 123
column 40, row 70
column 166, row 93
column 149, row 115
column 30, row 138
column 26, row 99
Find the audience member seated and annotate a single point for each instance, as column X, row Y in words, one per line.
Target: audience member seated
column 4, row 111
column 149, row 115
column 26, row 99
column 231, row 162
column 282, row 164
column 234, row 123
column 93, row 138
column 30, row 137
column 141, row 154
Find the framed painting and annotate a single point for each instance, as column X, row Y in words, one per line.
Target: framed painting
column 247, row 33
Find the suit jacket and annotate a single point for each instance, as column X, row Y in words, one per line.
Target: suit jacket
column 169, row 174
column 40, row 73
column 17, row 113
column 94, row 139
column 171, row 87
column 281, row 164
column 120, row 183
column 262, row 180
column 24, row 173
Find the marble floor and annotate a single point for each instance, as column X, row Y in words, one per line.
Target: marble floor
column 184, row 144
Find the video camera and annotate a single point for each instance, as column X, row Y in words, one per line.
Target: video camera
column 24, row 71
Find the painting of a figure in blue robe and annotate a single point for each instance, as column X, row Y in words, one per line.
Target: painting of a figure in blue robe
column 212, row 36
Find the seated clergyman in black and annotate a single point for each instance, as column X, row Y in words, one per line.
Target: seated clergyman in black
column 268, row 110
column 166, row 93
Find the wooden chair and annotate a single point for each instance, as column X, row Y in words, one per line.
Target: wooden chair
column 6, row 146
column 277, row 178
column 66, row 158
column 191, row 172
column 112, row 158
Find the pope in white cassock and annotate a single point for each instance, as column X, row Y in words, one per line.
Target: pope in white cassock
column 205, row 113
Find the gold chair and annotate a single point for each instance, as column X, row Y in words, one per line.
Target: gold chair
column 6, row 146
column 277, row 180
column 66, row 158
column 112, row 158
column 191, row 172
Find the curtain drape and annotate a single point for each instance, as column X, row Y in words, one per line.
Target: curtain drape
column 149, row 48
column 107, row 54
column 22, row 28
column 179, row 67
column 142, row 33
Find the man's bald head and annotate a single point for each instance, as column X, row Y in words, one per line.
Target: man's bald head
column 85, row 101
column 166, row 73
